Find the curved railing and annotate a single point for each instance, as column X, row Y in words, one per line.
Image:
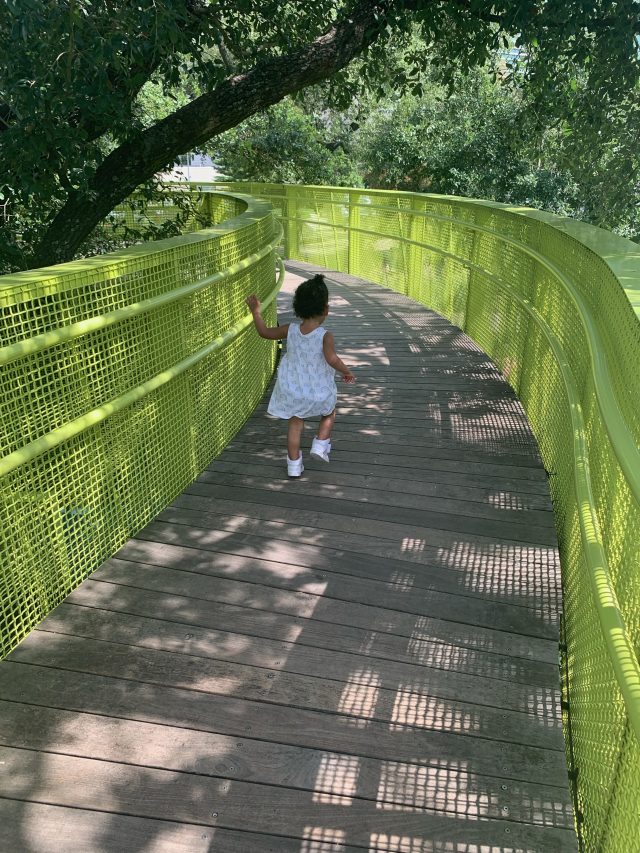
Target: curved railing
column 556, row 304
column 121, row 377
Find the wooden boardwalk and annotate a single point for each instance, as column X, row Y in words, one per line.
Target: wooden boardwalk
column 364, row 659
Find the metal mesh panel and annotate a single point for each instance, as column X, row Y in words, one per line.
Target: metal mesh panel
column 69, row 504
column 138, row 214
column 555, row 318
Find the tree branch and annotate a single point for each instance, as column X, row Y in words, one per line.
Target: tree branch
column 225, row 53
column 233, row 100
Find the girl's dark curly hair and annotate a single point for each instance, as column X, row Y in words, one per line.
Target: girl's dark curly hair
column 311, row 297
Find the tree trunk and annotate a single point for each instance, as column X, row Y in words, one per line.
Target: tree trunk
column 232, row 101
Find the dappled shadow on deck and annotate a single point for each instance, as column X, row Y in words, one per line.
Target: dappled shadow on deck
column 364, row 659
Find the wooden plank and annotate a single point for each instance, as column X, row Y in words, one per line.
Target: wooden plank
column 151, row 633
column 468, row 401
column 422, row 648
column 76, row 688
column 437, row 469
column 453, row 625
column 397, row 591
column 507, row 500
column 390, row 521
column 359, row 693
column 408, row 357
column 446, row 430
column 416, row 438
column 388, row 353
column 308, row 564
column 424, row 380
column 190, row 798
column 30, row 827
column 432, row 419
column 324, row 514
column 258, row 481
column 332, row 531
column 221, row 756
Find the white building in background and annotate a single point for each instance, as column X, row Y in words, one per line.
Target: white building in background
column 193, row 166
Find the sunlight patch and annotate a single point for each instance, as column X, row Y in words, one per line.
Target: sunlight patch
column 359, row 697
column 317, row 839
column 337, row 779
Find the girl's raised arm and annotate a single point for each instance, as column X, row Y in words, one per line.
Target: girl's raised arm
column 273, row 333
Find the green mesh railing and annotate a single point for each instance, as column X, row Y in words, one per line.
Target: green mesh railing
column 141, row 215
column 556, row 305
column 121, row 377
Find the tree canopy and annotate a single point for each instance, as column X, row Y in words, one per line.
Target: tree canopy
column 285, row 144
column 74, row 141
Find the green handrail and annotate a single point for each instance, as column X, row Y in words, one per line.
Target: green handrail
column 39, row 343
column 614, row 630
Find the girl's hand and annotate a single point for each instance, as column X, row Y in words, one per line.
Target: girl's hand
column 253, row 302
column 348, row 377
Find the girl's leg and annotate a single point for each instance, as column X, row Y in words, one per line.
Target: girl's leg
column 326, row 425
column 294, row 434
column 321, row 445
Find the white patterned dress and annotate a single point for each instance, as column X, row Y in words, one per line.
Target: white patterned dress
column 306, row 384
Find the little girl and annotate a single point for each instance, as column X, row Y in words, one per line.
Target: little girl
column 305, row 386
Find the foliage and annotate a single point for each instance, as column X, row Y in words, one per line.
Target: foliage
column 482, row 138
column 76, row 130
column 603, row 156
column 285, row 145
column 72, row 72
column 468, row 144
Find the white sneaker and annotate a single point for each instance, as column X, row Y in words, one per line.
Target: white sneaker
column 320, row 449
column 295, row 466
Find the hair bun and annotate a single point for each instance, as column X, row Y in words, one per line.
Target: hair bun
column 311, row 297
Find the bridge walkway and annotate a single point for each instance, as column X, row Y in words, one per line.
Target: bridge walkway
column 364, row 659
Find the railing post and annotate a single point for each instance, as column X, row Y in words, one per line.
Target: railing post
column 465, row 324
column 290, row 213
column 413, row 272
column 353, row 236
column 208, row 208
